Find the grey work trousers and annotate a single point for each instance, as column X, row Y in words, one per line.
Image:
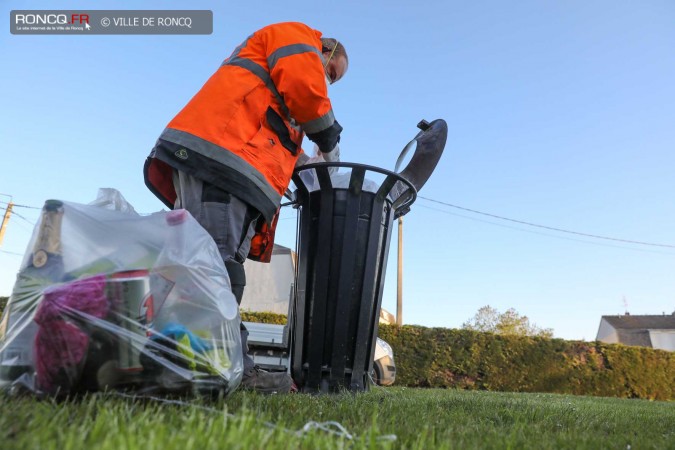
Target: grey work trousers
column 230, row 222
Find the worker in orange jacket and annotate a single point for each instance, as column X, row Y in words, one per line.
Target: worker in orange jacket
column 229, row 154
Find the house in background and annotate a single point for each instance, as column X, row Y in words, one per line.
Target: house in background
column 645, row 331
column 386, row 317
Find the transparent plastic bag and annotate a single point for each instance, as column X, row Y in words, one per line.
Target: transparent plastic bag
column 108, row 299
column 338, row 179
column 309, row 176
column 112, row 199
column 341, row 181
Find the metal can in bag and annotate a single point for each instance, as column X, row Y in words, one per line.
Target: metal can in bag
column 133, row 304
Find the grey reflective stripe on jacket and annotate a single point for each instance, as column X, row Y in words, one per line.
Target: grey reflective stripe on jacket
column 236, row 51
column 223, row 156
column 320, row 123
column 289, row 50
column 259, row 71
column 313, row 126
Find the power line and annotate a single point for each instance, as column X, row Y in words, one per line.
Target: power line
column 14, row 205
column 550, row 235
column 22, row 217
column 629, row 241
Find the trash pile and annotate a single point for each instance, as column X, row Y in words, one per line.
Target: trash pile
column 108, row 299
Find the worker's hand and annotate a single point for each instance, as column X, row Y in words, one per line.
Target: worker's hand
column 332, row 156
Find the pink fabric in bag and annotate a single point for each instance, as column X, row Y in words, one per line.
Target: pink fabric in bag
column 60, row 344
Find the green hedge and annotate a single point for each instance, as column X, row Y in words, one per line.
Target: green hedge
column 464, row 359
column 439, row 357
column 263, row 317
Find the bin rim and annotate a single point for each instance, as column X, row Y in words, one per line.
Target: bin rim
column 402, row 208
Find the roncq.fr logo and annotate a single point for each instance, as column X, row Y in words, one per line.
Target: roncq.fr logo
column 51, row 19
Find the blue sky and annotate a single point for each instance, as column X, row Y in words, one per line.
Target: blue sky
column 559, row 113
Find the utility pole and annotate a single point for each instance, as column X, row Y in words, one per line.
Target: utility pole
column 399, row 286
column 5, row 219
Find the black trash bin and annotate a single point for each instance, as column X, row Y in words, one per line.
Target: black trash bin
column 343, row 243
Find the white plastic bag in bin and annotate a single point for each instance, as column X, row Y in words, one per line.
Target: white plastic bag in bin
column 108, row 299
column 339, row 180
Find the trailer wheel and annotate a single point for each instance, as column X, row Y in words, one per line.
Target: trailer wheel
column 377, row 373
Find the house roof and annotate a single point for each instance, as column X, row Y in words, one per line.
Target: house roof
column 636, row 323
column 635, row 337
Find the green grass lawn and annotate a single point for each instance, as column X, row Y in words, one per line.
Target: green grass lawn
column 419, row 418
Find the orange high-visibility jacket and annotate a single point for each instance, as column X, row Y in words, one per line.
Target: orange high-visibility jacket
column 243, row 130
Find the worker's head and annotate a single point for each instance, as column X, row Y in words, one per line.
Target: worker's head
column 335, row 59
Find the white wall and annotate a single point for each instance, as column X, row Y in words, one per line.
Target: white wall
column 663, row 340
column 268, row 286
column 607, row 333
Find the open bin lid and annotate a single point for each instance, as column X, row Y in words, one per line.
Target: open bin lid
column 428, row 147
